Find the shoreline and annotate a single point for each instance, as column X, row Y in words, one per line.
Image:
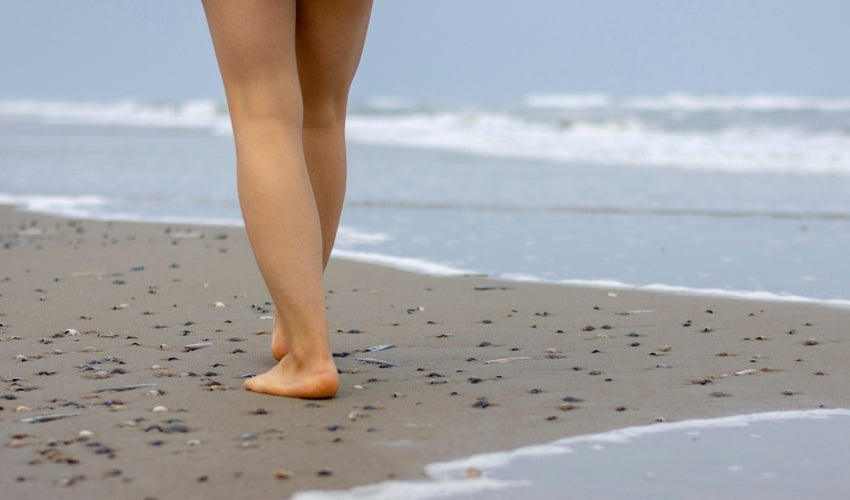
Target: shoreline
column 431, row 268
column 477, row 359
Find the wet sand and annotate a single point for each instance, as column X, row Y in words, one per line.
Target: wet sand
column 95, row 317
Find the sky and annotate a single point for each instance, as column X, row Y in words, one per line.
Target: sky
column 448, row 50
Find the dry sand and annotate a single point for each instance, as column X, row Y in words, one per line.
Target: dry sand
column 89, row 308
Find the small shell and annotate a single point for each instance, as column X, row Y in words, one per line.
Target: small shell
column 85, row 435
column 218, row 304
column 159, row 409
column 746, row 372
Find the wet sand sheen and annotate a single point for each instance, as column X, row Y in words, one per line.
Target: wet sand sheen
column 128, row 344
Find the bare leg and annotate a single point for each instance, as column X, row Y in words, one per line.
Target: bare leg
column 255, row 43
column 329, row 40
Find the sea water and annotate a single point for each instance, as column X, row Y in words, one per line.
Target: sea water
column 740, row 195
column 777, row 455
column 736, row 195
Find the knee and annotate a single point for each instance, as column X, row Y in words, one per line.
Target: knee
column 323, row 112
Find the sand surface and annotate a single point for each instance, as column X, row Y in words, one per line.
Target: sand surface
column 94, row 317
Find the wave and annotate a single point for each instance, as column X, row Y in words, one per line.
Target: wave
column 595, row 129
column 692, row 102
column 449, row 479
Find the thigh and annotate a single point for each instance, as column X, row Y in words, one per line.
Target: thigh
column 254, row 42
column 330, row 35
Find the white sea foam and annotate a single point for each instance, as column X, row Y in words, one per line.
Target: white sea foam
column 679, row 290
column 623, row 141
column 411, row 264
column 692, row 102
column 191, row 114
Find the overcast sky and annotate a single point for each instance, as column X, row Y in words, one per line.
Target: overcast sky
column 448, row 50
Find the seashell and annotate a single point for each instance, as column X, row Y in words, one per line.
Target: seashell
column 159, row 409
column 72, row 332
column 85, row 435
column 507, row 360
column 195, row 347
column 746, row 372
column 218, row 304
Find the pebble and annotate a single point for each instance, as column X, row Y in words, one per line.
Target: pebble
column 282, row 474
column 481, row 403
column 811, row 342
column 159, row 409
column 85, row 435
column 193, row 442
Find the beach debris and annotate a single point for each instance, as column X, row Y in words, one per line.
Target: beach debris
column 481, row 403
column 72, row 332
column 282, row 474
column 159, row 409
column 472, row 473
column 85, row 435
column 748, row 371
column 196, row 346
column 218, row 304
column 381, row 347
column 382, row 363
column 21, row 358
column 612, row 295
column 637, row 311
column 48, row 418
column 506, row 360
column 811, row 342
column 123, row 388
column 123, row 305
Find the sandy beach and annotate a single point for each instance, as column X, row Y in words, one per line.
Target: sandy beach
column 124, row 347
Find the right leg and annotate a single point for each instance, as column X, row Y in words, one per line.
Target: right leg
column 330, row 35
column 255, row 47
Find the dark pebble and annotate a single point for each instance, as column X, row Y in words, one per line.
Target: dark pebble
column 237, row 351
column 119, row 282
column 621, row 408
column 370, row 407
column 474, row 380
column 606, row 327
column 481, row 403
column 469, row 360
column 171, row 429
column 434, row 374
column 535, row 391
column 552, row 418
column 485, row 344
column 333, row 428
column 260, row 411
column 137, row 268
column 324, row 473
column 634, row 334
column 342, row 354
column 9, row 396
column 353, row 330
column 157, row 442
column 486, row 321
column 572, row 399
column 635, row 344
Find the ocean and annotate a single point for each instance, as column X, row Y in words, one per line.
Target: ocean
column 743, row 196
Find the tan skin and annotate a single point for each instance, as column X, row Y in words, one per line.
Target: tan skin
column 287, row 66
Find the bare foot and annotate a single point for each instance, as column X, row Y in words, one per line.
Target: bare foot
column 280, row 347
column 287, row 378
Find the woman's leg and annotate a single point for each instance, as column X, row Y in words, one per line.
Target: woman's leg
column 255, row 42
column 330, row 35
